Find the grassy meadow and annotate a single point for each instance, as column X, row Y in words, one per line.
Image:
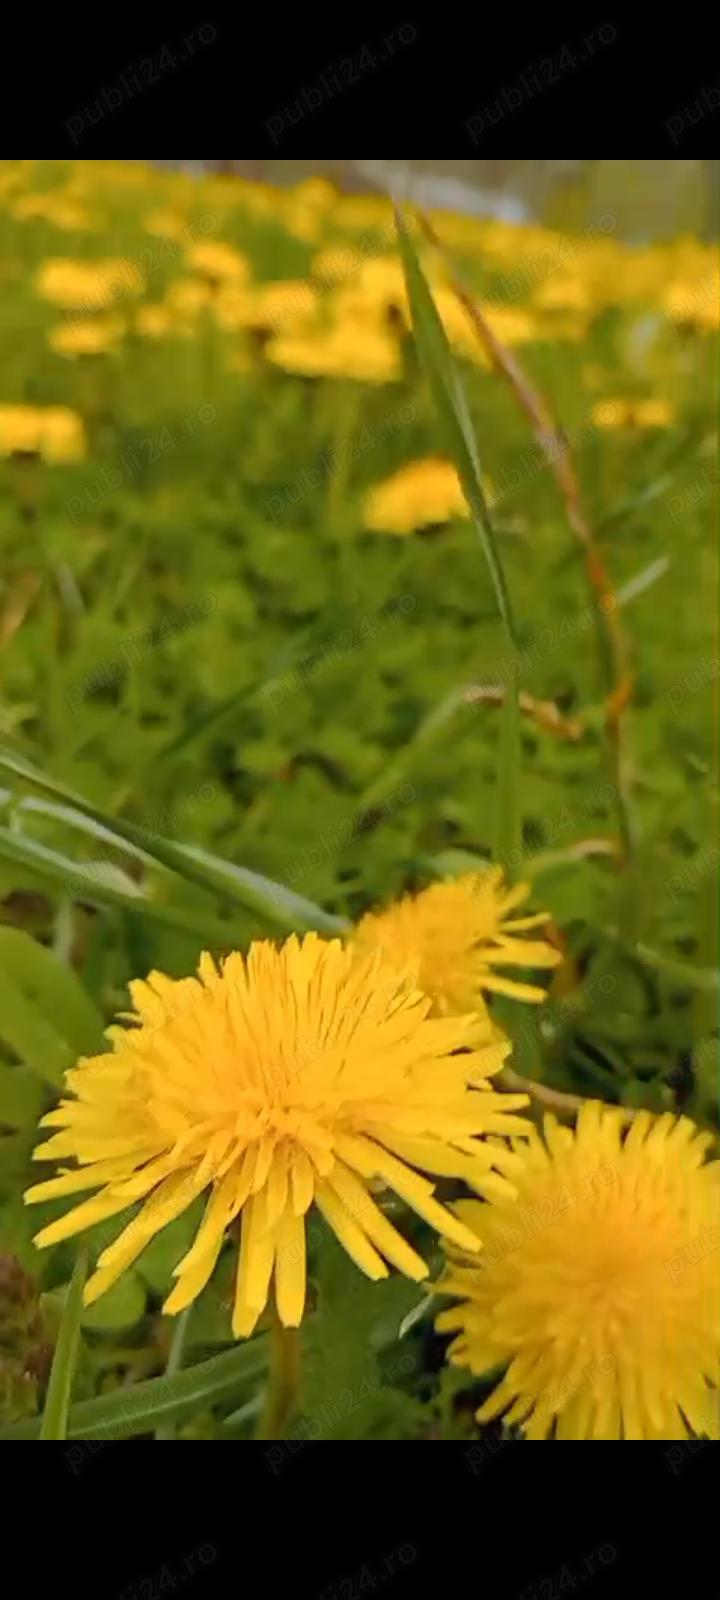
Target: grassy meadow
column 253, row 679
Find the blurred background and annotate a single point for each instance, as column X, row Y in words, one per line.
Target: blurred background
column 649, row 199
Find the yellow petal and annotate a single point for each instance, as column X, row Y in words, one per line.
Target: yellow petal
column 290, row 1268
column 195, row 1269
column 379, row 1230
column 98, row 1209
column 348, row 1232
column 90, row 1177
column 257, row 1252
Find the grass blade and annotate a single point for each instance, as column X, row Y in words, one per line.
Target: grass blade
column 55, row 1415
column 265, row 898
column 436, row 357
column 148, row 1405
column 77, row 878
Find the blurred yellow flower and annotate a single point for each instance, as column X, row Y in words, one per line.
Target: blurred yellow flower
column 419, row 495
column 54, row 433
column 463, row 338
column 382, row 279
column 89, row 337
column 560, row 293
column 694, row 302
column 335, row 263
column 165, row 224
column 618, row 412
column 367, row 354
column 62, row 210
column 233, row 306
column 187, row 297
column 511, row 325
column 450, row 937
column 598, row 1286
column 156, row 321
column 280, row 303
column 303, row 222
column 294, row 1076
column 316, row 192
column 362, row 212
column 305, row 208
column 218, row 262
column 87, row 285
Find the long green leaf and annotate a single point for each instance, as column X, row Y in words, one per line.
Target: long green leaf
column 55, row 1415
column 294, row 909
column 269, row 900
column 437, row 359
column 147, row 1405
column 79, row 880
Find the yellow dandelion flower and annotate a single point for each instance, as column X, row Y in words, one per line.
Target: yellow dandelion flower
column 618, row 412
column 317, row 192
column 419, row 495
column 562, row 294
column 295, row 1075
column 218, row 262
column 270, row 306
column 335, row 263
column 358, row 213
column 187, row 297
column 304, row 222
column 87, row 285
column 61, row 210
column 452, row 936
column 463, row 338
column 694, row 302
column 511, row 325
column 62, row 435
column 599, row 1283
column 54, row 433
column 19, row 430
column 90, row 336
column 157, row 322
column 165, row 224
column 233, row 307
column 304, row 209
column 364, row 353
column 382, row 278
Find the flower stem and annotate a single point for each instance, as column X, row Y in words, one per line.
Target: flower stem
column 174, row 1363
column 565, row 1106
column 283, row 1380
